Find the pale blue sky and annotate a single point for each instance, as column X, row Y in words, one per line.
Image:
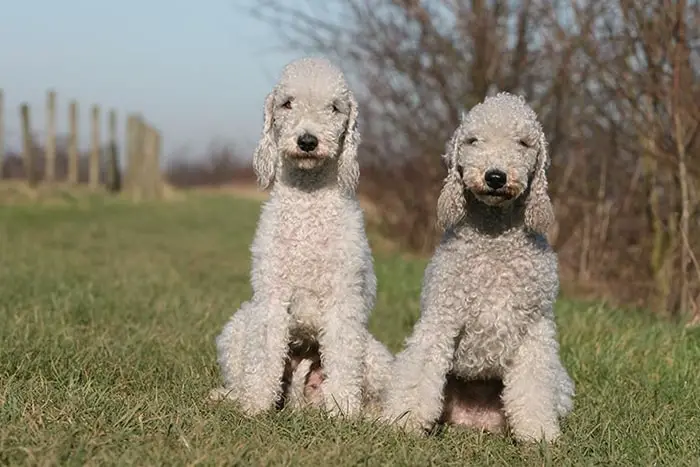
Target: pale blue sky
column 198, row 70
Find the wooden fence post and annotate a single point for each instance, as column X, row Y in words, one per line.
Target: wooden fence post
column 27, row 145
column 50, row 156
column 2, row 134
column 146, row 153
column 94, row 169
column 113, row 172
column 157, row 179
column 134, row 154
column 73, row 158
column 130, row 127
column 144, row 145
column 150, row 161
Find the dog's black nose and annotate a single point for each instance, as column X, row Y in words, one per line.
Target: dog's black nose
column 495, row 178
column 307, row 142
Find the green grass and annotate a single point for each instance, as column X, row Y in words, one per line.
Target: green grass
column 108, row 314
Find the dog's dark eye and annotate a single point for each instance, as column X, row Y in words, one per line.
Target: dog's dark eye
column 335, row 109
column 524, row 144
column 287, row 104
column 471, row 141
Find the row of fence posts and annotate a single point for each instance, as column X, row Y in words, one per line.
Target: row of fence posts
column 143, row 177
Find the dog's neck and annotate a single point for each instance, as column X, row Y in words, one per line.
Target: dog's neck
column 321, row 178
column 492, row 221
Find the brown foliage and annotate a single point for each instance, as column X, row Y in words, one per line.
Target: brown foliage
column 221, row 165
column 616, row 85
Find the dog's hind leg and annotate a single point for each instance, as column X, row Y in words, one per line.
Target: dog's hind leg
column 229, row 347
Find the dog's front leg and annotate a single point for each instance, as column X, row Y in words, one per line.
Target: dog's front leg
column 414, row 395
column 343, row 344
column 530, row 394
column 264, row 354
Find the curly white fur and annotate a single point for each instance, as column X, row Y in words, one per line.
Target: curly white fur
column 488, row 292
column 312, row 271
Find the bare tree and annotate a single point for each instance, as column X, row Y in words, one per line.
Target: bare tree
column 616, row 85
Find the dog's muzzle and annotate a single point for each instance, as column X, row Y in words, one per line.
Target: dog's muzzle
column 306, row 149
column 494, row 188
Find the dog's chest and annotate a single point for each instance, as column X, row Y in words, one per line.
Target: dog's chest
column 486, row 344
column 310, row 250
column 504, row 290
column 312, row 253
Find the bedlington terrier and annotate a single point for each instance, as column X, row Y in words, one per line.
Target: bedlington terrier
column 305, row 329
column 484, row 352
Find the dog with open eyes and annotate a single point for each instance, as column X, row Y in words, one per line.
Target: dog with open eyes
column 484, row 352
column 303, row 339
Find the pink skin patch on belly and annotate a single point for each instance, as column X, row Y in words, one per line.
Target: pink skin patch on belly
column 474, row 404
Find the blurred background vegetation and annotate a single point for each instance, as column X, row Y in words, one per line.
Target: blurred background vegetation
column 616, row 85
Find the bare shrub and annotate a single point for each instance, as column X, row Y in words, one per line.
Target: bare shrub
column 220, row 165
column 616, row 84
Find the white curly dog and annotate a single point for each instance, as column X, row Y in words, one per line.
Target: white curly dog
column 303, row 338
column 484, row 352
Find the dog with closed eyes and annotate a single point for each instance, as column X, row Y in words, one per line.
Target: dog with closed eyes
column 484, row 352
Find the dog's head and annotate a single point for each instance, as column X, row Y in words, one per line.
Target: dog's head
column 498, row 155
column 310, row 120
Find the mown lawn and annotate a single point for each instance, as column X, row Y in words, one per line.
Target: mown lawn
column 108, row 314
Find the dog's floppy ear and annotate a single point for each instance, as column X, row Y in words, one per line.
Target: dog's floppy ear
column 539, row 212
column 265, row 155
column 348, row 165
column 452, row 205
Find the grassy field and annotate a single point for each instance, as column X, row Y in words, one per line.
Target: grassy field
column 108, row 314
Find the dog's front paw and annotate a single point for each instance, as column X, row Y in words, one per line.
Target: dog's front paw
column 221, row 394
column 537, row 432
column 251, row 408
column 407, row 422
column 341, row 406
column 341, row 403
